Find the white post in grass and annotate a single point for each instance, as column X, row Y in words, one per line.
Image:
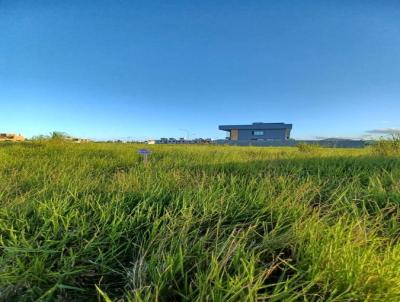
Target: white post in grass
column 145, row 153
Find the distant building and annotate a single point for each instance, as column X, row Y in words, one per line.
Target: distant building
column 77, row 139
column 258, row 131
column 10, row 137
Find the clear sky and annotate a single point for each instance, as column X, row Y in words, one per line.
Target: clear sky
column 146, row 69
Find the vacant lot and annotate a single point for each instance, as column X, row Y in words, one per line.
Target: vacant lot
column 89, row 222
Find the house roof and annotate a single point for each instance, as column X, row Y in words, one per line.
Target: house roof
column 256, row 126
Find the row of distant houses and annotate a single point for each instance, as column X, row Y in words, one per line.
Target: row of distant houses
column 11, row 137
column 181, row 140
column 77, row 139
column 255, row 134
column 262, row 134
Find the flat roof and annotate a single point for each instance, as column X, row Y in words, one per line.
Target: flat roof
column 256, row 126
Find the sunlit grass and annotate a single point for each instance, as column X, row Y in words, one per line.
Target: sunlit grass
column 206, row 223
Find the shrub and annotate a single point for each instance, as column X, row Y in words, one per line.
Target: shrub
column 387, row 147
column 55, row 137
column 308, row 148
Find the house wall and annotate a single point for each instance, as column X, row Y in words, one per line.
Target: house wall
column 268, row 134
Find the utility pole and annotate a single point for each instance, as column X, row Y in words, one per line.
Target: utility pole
column 188, row 133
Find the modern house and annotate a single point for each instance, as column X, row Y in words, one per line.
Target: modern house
column 258, row 131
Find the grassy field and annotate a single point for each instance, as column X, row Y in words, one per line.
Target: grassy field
column 90, row 222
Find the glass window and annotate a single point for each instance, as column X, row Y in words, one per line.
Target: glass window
column 258, row 132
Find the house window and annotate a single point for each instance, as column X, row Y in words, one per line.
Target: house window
column 258, row 132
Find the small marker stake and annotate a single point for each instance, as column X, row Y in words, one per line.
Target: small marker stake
column 145, row 153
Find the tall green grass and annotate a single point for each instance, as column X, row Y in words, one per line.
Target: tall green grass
column 387, row 147
column 90, row 222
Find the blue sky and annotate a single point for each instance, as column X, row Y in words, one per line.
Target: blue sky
column 146, row 69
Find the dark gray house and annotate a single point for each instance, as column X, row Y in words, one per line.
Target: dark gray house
column 258, row 131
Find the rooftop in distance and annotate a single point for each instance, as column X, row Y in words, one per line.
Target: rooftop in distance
column 256, row 126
